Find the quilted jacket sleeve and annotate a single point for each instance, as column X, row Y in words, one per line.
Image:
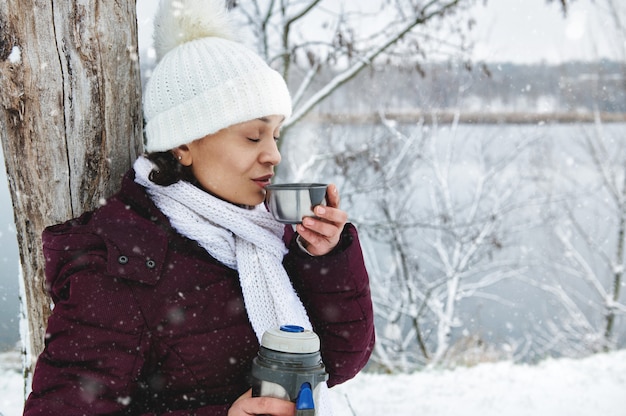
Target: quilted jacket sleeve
column 95, row 338
column 335, row 291
column 100, row 354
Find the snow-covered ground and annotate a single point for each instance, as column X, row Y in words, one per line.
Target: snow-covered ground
column 11, row 384
column 592, row 386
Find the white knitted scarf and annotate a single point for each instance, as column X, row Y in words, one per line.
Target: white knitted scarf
column 247, row 240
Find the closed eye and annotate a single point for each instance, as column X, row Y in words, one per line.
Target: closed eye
column 256, row 140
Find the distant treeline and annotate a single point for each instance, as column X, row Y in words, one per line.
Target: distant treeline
column 490, row 93
column 494, row 92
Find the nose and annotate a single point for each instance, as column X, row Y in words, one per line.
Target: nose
column 270, row 153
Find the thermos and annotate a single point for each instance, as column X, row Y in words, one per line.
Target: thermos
column 289, row 366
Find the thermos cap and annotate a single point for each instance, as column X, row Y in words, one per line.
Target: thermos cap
column 291, row 338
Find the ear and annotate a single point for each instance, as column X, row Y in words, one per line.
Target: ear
column 183, row 155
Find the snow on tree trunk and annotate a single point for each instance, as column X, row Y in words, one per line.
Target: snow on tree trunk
column 70, row 122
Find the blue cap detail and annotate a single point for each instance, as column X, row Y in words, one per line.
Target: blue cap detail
column 291, row 328
column 305, row 398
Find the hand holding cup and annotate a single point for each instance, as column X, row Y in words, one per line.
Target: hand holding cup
column 319, row 220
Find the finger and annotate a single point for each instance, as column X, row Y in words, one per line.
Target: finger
column 268, row 406
column 317, row 244
column 243, row 397
column 314, row 243
column 332, row 215
column 321, row 228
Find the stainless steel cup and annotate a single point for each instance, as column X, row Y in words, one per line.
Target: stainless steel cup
column 290, row 202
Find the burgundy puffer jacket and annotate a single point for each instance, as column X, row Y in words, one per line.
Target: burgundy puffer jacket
column 146, row 322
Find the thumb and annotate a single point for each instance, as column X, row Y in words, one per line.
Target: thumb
column 332, row 196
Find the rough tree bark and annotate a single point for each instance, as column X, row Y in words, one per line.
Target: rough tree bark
column 70, row 121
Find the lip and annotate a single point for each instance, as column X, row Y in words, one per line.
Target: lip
column 263, row 181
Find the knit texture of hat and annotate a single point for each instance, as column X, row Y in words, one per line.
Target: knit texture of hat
column 205, row 81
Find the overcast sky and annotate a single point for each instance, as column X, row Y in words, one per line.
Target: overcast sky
column 531, row 31
column 513, row 30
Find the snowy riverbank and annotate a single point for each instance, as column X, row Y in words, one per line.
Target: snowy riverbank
column 592, row 386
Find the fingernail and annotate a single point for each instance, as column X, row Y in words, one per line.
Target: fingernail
column 320, row 210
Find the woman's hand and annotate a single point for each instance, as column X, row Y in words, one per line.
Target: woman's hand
column 322, row 234
column 247, row 405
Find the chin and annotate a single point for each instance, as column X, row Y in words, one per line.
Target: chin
column 253, row 201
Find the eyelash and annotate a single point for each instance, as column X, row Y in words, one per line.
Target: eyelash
column 256, row 140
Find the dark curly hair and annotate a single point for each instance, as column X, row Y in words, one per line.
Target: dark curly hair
column 168, row 170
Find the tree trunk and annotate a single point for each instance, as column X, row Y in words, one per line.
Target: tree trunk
column 70, row 122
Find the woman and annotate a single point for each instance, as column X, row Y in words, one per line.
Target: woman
column 161, row 295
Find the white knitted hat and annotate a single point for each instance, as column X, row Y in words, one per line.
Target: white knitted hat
column 204, row 80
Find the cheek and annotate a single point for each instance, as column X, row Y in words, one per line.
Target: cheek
column 207, row 173
column 218, row 173
column 236, row 162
